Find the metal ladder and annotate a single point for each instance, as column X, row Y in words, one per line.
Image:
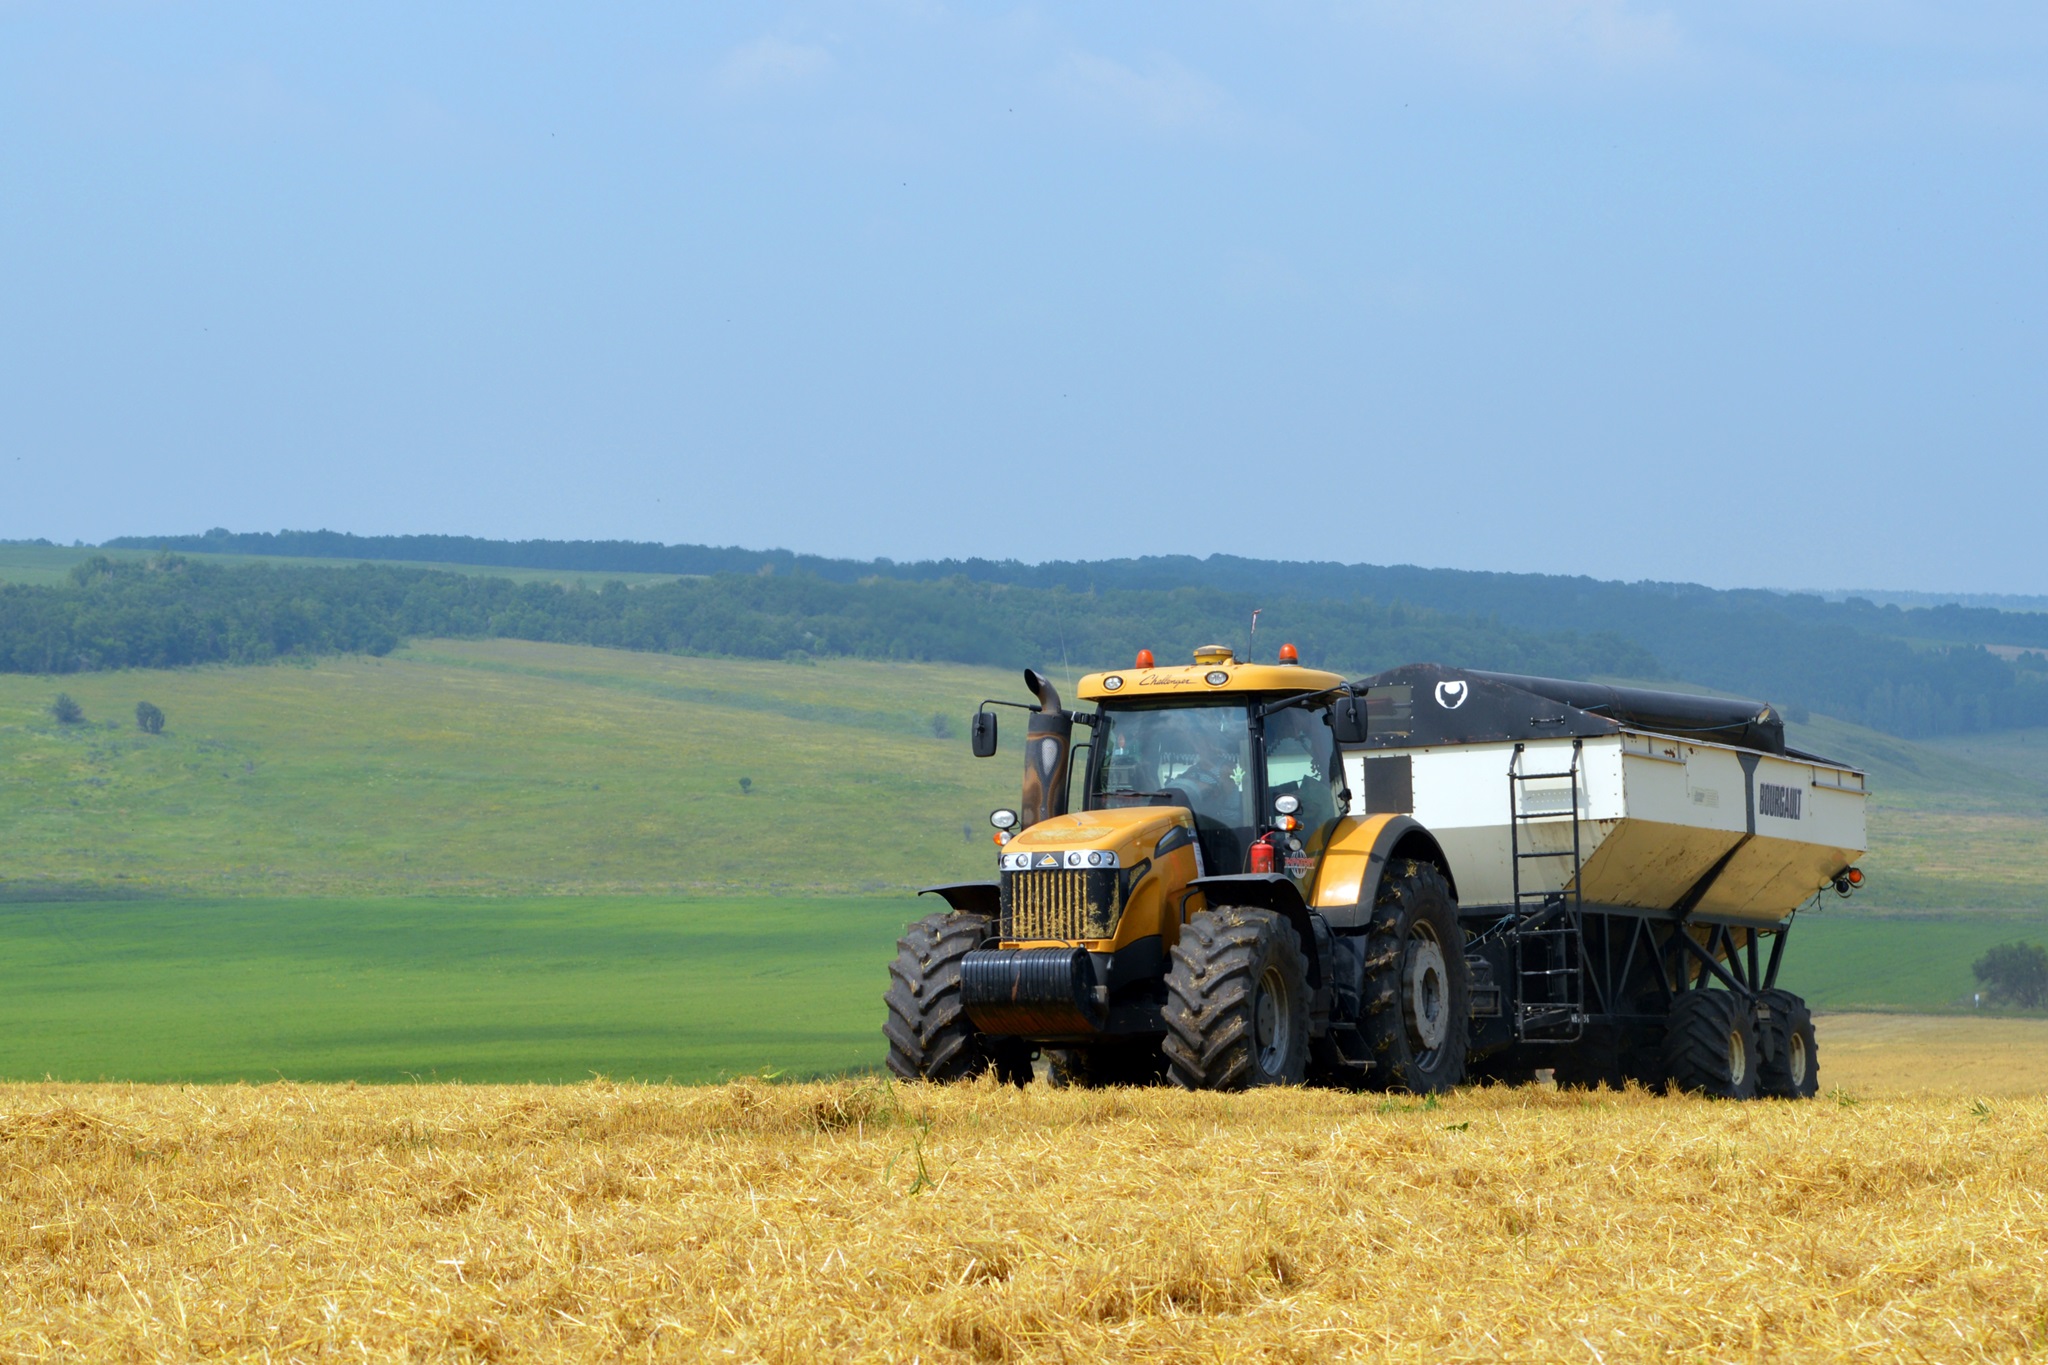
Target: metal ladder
column 1549, row 946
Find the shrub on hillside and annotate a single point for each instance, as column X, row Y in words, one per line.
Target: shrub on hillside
column 148, row 718
column 67, row 711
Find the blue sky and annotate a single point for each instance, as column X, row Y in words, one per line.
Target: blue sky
column 1743, row 293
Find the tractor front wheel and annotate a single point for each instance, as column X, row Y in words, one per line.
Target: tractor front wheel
column 930, row 1036
column 1236, row 1002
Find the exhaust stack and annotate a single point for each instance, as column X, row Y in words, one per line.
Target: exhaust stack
column 1048, row 752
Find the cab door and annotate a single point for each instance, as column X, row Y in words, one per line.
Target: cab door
column 1301, row 761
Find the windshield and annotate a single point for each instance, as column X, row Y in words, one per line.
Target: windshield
column 1194, row 756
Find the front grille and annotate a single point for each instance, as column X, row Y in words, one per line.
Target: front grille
column 1062, row 905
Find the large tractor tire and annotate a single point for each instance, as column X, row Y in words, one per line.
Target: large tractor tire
column 930, row 1036
column 1416, row 1009
column 1790, row 1067
column 1236, row 1002
column 1710, row 1045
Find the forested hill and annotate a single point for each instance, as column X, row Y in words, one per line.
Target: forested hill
column 1916, row 671
column 166, row 610
column 1546, row 602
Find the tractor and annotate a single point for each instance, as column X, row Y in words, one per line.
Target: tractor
column 1213, row 914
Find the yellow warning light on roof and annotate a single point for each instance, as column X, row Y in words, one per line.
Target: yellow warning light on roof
column 1214, row 654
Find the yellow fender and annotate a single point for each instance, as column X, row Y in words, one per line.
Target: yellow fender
column 1356, row 858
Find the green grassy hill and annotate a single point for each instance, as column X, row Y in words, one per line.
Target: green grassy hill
column 500, row 767
column 1951, row 828
column 514, row 768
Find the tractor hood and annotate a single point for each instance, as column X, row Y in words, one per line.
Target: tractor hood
column 1122, row 837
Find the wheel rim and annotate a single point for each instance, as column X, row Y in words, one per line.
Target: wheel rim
column 1426, row 999
column 1272, row 1022
column 1738, row 1058
column 1795, row 1059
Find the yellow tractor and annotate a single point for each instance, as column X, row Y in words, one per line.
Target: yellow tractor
column 1212, row 914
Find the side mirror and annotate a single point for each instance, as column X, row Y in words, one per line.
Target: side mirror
column 983, row 734
column 1347, row 719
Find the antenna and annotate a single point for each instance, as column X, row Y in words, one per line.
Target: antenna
column 1253, row 641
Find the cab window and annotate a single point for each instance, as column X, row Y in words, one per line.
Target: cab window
column 1194, row 756
column 1301, row 761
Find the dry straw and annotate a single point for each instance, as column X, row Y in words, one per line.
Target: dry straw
column 865, row 1221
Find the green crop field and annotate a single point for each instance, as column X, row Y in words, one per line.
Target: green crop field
column 1843, row 959
column 475, row 989
column 560, row 988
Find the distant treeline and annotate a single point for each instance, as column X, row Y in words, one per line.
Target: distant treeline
column 167, row 611
column 1542, row 602
column 1916, row 671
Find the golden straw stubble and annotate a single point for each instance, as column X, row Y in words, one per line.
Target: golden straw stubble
column 869, row 1220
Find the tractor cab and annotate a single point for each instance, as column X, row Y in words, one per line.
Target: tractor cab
column 1246, row 750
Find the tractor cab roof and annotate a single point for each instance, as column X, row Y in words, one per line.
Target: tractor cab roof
column 1215, row 671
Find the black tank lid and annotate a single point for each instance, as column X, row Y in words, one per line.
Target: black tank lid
column 1471, row 706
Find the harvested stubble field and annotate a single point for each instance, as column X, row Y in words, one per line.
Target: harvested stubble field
column 858, row 1220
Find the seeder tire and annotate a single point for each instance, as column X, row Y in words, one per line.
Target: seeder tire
column 1790, row 1069
column 1236, row 1002
column 930, row 1036
column 1710, row 1045
column 1416, row 1009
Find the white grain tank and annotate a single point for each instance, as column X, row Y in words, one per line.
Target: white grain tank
column 1685, row 804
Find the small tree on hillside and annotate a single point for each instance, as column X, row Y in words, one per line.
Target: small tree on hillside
column 2017, row 972
column 746, row 786
column 942, row 726
column 67, row 711
column 149, row 719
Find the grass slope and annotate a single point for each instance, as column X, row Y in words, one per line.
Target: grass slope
column 1951, row 827
column 515, row 768
column 501, row 767
column 472, row 989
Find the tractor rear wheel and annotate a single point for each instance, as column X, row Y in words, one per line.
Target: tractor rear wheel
column 930, row 1036
column 1236, row 1002
column 1416, row 1008
column 1710, row 1045
column 1790, row 1068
